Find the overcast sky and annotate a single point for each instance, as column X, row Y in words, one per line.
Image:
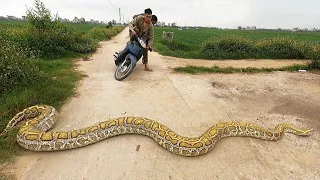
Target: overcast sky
column 218, row 13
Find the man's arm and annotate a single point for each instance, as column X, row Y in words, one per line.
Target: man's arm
column 151, row 36
column 132, row 24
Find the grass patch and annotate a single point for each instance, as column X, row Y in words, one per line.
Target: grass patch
column 6, row 177
column 229, row 70
column 54, row 88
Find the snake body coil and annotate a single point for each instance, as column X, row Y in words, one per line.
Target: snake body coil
column 33, row 134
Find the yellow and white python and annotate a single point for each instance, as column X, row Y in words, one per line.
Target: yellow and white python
column 33, row 134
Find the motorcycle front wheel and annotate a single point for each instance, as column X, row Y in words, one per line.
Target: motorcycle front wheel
column 123, row 71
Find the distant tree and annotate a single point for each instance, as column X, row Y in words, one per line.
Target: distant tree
column 40, row 17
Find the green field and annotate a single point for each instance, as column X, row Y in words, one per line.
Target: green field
column 4, row 23
column 85, row 27
column 195, row 37
column 190, row 43
column 77, row 27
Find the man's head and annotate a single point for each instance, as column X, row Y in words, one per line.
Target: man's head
column 154, row 19
column 147, row 15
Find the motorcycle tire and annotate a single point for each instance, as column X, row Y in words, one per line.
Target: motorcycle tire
column 126, row 74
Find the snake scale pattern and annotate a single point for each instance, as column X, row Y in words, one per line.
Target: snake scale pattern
column 34, row 135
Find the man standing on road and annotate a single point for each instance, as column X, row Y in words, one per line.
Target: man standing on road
column 154, row 21
column 142, row 27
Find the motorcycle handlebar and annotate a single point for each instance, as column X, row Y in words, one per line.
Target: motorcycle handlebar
column 136, row 36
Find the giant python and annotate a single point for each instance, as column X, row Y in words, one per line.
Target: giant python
column 33, row 134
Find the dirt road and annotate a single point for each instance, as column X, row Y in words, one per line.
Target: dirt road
column 189, row 105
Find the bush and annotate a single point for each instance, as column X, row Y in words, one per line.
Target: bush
column 15, row 68
column 46, row 37
column 229, row 44
column 314, row 64
column 176, row 46
column 98, row 33
column 234, row 47
column 83, row 44
column 282, row 48
column 111, row 32
column 102, row 34
column 21, row 38
column 315, row 53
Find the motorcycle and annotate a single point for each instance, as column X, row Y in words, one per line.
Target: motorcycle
column 127, row 59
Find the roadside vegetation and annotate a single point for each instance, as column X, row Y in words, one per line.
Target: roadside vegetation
column 37, row 64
